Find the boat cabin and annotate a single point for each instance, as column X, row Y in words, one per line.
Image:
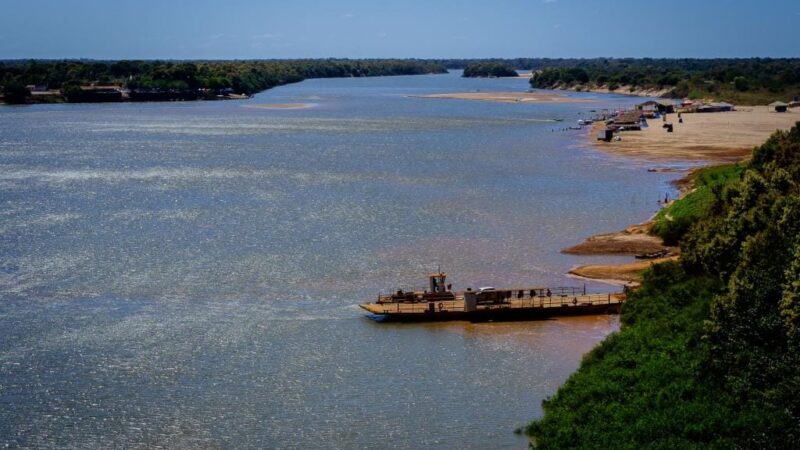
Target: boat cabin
column 438, row 290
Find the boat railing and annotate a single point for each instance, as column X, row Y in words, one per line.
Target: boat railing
column 456, row 305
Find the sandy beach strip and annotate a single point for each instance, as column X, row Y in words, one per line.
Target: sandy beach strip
column 617, row 274
column 634, row 240
column 509, row 97
column 281, row 106
column 711, row 137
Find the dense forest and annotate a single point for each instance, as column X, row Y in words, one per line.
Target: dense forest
column 708, row 355
column 489, row 69
column 188, row 80
column 741, row 81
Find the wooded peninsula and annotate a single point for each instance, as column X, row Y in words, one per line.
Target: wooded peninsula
column 34, row 81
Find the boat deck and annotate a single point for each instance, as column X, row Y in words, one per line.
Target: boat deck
column 526, row 308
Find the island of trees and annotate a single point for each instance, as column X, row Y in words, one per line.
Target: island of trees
column 708, row 355
column 80, row 81
column 489, row 69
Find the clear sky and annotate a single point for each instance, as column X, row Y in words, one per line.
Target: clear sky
column 238, row 29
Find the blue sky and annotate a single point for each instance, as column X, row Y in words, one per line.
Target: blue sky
column 235, row 29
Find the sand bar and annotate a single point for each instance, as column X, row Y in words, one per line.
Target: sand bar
column 617, row 273
column 634, row 240
column 281, row 106
column 712, row 137
column 510, row 97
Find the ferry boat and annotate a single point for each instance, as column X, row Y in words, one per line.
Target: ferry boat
column 440, row 303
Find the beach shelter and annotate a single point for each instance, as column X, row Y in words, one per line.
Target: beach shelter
column 778, row 106
column 722, row 106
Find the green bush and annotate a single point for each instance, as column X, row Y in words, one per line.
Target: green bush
column 15, row 92
column 741, row 84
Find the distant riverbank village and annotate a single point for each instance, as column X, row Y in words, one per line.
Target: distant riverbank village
column 637, row 118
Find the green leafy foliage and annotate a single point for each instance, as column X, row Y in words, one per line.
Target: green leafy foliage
column 15, row 92
column 708, row 355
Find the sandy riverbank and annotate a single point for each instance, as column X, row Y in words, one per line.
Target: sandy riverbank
column 711, row 137
column 619, row 274
column 714, row 137
column 631, row 241
column 281, row 106
column 621, row 90
column 509, row 97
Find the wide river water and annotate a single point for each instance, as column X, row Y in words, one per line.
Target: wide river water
column 186, row 275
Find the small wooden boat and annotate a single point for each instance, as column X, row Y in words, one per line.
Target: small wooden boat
column 653, row 255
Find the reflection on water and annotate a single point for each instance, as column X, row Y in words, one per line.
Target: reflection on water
column 186, row 274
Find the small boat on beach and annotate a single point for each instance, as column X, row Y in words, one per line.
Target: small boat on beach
column 653, row 255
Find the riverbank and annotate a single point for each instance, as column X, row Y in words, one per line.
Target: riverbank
column 619, row 90
column 538, row 97
column 707, row 352
column 712, row 138
column 617, row 274
column 702, row 137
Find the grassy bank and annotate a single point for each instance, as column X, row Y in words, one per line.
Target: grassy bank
column 672, row 222
column 708, row 355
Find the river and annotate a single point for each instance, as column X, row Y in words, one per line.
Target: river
column 186, row 275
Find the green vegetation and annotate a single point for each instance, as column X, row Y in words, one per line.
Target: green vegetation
column 672, row 222
column 708, row 355
column 489, row 69
column 741, row 81
column 157, row 80
column 15, row 92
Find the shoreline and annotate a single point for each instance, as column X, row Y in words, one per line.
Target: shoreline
column 281, row 106
column 616, row 274
column 508, row 97
column 706, row 138
column 621, row 90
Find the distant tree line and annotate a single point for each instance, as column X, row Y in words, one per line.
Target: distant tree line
column 190, row 79
column 746, row 81
column 489, row 69
column 743, row 81
column 516, row 63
